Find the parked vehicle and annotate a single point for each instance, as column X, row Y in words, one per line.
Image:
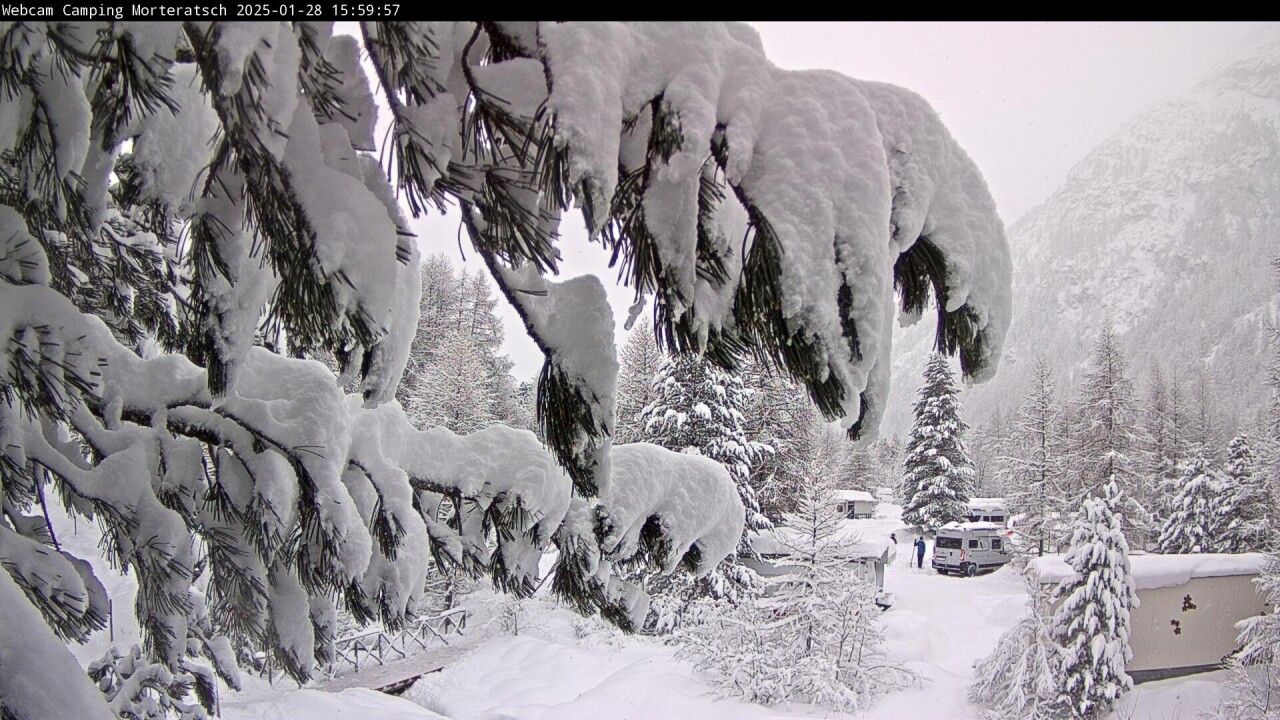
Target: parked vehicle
column 970, row 548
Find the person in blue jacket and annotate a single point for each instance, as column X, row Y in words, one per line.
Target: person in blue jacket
column 920, row 552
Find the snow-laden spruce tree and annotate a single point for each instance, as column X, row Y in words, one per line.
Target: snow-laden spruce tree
column 1091, row 620
column 937, row 481
column 1195, row 521
column 1022, row 677
column 815, row 637
column 188, row 208
column 698, row 407
column 1247, row 504
column 1038, row 468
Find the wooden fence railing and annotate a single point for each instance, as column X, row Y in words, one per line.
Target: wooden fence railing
column 354, row 653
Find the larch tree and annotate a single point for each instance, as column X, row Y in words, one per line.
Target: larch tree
column 1110, row 439
column 1092, row 617
column 937, row 472
column 816, row 636
column 780, row 415
column 173, row 193
column 637, row 366
column 1038, row 469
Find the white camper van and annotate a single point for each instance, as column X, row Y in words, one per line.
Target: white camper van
column 970, row 548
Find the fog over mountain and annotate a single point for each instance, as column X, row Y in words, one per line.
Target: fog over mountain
column 1166, row 229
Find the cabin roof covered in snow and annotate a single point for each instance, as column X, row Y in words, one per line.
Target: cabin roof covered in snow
column 862, row 544
column 854, row 495
column 986, row 503
column 1160, row 571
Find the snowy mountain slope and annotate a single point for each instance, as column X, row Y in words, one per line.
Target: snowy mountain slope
column 1166, row 228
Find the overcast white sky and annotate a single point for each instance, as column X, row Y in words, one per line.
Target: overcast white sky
column 1026, row 100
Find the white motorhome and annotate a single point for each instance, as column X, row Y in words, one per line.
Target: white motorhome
column 988, row 509
column 970, row 548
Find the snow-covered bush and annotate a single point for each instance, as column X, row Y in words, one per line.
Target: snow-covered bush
column 187, row 209
column 1022, row 678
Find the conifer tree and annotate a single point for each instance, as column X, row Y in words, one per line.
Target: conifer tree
column 1110, row 439
column 1195, row 523
column 638, row 365
column 698, row 407
column 1247, row 504
column 937, row 470
column 1022, row 676
column 1092, row 619
column 816, row 637
column 187, row 209
column 1038, row 471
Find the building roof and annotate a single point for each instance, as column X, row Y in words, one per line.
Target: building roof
column 854, row 495
column 986, row 503
column 861, row 544
column 1160, row 571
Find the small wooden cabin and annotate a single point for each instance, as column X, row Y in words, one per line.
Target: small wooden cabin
column 1188, row 608
column 871, row 552
column 854, row 504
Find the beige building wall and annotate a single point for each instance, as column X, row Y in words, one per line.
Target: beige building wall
column 1191, row 624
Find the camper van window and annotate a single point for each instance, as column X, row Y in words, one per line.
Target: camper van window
column 995, row 544
column 973, row 544
column 997, row 518
column 947, row 543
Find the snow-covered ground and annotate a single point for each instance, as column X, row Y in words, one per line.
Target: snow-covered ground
column 565, row 667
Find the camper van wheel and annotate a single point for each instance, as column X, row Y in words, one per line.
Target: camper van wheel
column 971, row 570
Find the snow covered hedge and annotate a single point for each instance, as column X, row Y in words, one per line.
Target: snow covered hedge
column 187, row 209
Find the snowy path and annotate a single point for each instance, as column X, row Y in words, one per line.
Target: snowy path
column 938, row 626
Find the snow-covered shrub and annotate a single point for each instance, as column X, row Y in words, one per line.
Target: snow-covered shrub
column 189, row 209
column 1022, row 678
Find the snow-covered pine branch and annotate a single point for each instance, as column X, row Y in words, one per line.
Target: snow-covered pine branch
column 125, row 234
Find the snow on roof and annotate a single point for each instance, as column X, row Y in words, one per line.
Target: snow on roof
column 862, row 544
column 986, row 503
column 1160, row 571
column 854, row 495
column 971, row 526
